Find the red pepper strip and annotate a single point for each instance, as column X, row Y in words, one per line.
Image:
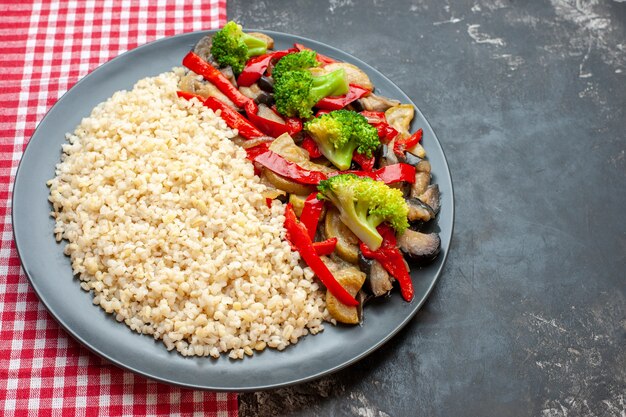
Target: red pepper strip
column 268, row 202
column 212, row 74
column 276, row 163
column 366, row 164
column 325, row 247
column 267, row 126
column 396, row 172
column 294, row 124
column 322, row 59
column 309, row 144
column 320, row 112
column 233, row 119
column 256, row 67
column 339, row 102
column 389, row 174
column 377, row 119
column 256, row 150
column 188, row 96
column 311, row 213
column 391, row 259
column 299, row 238
column 374, row 117
column 401, row 145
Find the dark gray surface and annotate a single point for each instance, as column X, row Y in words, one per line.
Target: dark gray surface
column 527, row 99
column 49, row 270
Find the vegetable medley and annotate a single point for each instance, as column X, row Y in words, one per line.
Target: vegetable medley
column 355, row 179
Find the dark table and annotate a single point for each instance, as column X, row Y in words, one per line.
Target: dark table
column 528, row 99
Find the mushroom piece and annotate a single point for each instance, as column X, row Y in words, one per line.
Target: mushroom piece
column 372, row 102
column 419, row 247
column 386, row 155
column 192, row 83
column 400, row 117
column 377, row 279
column 266, row 84
column 419, row 211
column 228, row 73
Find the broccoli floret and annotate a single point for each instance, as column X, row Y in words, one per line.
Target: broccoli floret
column 231, row 46
column 296, row 92
column 294, row 62
column 339, row 133
column 364, row 204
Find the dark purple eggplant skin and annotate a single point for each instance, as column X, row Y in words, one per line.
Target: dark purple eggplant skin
column 265, row 98
column 266, row 84
column 409, row 158
column 418, row 247
column 419, row 211
column 378, row 282
column 385, row 156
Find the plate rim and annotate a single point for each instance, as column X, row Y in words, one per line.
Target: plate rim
column 256, row 387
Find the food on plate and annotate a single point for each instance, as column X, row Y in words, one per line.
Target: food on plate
column 240, row 203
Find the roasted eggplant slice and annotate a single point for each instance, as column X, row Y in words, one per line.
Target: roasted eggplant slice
column 386, row 155
column 432, row 197
column 377, row 280
column 419, row 247
column 419, row 211
column 409, row 158
column 422, row 179
column 203, row 47
column 266, row 84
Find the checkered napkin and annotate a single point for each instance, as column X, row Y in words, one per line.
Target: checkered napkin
column 45, row 47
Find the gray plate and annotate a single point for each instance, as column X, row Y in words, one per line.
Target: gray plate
column 50, row 273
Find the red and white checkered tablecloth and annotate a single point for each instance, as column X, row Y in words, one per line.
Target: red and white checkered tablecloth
column 45, row 47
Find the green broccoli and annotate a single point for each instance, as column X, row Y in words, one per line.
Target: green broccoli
column 339, row 133
column 294, row 62
column 364, row 204
column 296, row 92
column 231, row 46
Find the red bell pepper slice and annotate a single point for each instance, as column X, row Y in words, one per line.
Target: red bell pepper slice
column 212, row 74
column 299, row 238
column 401, row 145
column 386, row 133
column 311, row 147
column 294, row 124
column 339, row 102
column 233, row 119
column 388, row 174
column 396, row 173
column 256, row 150
column 366, row 164
column 374, row 117
column 256, row 67
column 311, row 213
column 322, row 59
column 276, row 163
column 267, row 126
column 325, row 247
column 188, row 96
column 391, row 259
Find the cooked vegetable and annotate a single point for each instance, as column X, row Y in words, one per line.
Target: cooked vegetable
column 431, row 197
column 233, row 119
column 299, row 238
column 285, row 184
column 347, row 243
column 256, row 67
column 298, row 61
column 419, row 247
column 422, row 178
column 311, row 213
column 407, row 142
column 211, row 74
column 364, row 204
column 354, row 74
column 373, row 102
column 337, row 103
column 341, row 132
column 296, row 92
column 350, row 278
column 231, row 46
column 419, row 211
column 377, row 281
